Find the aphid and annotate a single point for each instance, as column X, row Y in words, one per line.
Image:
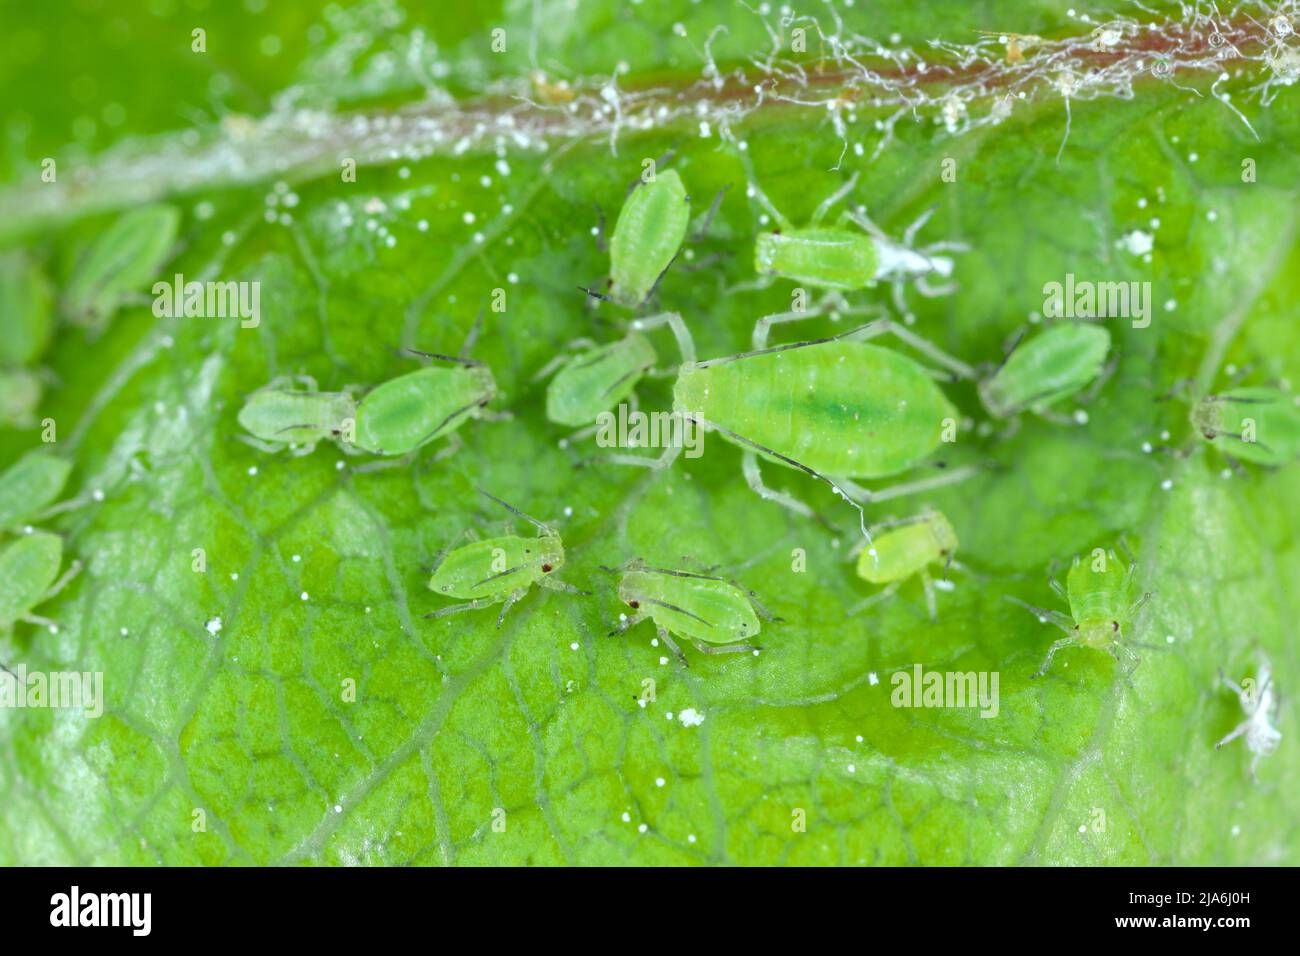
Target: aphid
column 1054, row 365
column 712, row 613
column 596, row 379
column 1259, row 424
column 836, row 409
column 30, row 485
column 839, row 258
column 1259, row 701
column 279, row 416
column 906, row 549
column 20, row 396
column 29, row 566
column 26, row 320
column 408, row 412
column 119, row 263
column 646, row 239
column 1099, row 594
column 499, row 570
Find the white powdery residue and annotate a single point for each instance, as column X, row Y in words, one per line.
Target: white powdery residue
column 213, row 626
column 1137, row 242
column 690, row 717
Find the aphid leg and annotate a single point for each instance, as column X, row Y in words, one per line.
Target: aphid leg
column 38, row 621
column 671, row 644
column 825, row 205
column 1057, row 587
column 564, row 356
column 685, row 344
column 725, row 648
column 860, row 219
column 580, row 435
column 554, row 584
column 1047, row 617
column 457, row 608
column 755, row 191
column 1051, row 652
column 928, row 585
column 907, row 487
column 896, row 289
column 923, row 286
column 1242, row 374
column 883, row 594
column 754, row 477
column 658, row 464
column 62, row 582
column 1236, row 732
column 1181, row 389
column 454, row 444
column 1225, row 679
column 1099, row 383
column 511, row 600
column 889, row 327
column 909, row 234
column 385, row 464
column 302, row 451
column 271, row 448
column 628, row 622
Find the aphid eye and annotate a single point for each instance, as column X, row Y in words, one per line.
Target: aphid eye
column 546, row 569
column 633, row 604
column 446, row 587
column 1076, row 628
column 1114, row 625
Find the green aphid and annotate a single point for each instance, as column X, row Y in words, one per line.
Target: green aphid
column 903, row 550
column 1099, row 592
column 596, row 379
column 499, row 570
column 30, row 486
column 279, row 416
column 715, row 614
column 410, row 411
column 836, row 409
column 20, row 396
column 26, row 311
column 852, row 254
column 29, row 567
column 119, row 264
column 1056, row 364
column 647, row 237
column 1259, row 424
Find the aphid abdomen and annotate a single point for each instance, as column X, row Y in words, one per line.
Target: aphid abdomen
column 899, row 554
column 405, row 413
column 490, row 568
column 28, row 566
column 649, row 231
column 1049, row 367
column 597, row 380
column 841, row 408
column 823, row 258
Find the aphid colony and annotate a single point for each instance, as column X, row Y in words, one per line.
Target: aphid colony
column 801, row 405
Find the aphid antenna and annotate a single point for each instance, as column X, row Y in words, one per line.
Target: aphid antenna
column 501, row 574
column 443, row 424
column 544, row 528
column 471, row 337
column 454, row 359
column 862, row 516
column 712, row 211
column 594, row 294
column 654, row 288
column 625, row 376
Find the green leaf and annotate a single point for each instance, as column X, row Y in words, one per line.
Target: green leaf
column 233, row 599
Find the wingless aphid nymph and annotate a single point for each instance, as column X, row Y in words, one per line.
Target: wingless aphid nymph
column 499, row 570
